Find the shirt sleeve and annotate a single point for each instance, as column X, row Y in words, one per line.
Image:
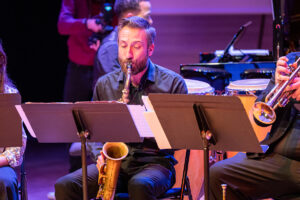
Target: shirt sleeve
column 106, row 60
column 14, row 155
column 67, row 23
column 179, row 86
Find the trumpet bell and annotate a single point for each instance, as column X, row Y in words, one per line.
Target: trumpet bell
column 263, row 114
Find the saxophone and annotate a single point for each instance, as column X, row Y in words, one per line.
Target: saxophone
column 126, row 90
column 114, row 153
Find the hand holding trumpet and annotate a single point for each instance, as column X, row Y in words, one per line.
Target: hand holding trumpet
column 283, row 71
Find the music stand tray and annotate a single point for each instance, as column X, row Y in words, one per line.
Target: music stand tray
column 228, row 120
column 105, row 121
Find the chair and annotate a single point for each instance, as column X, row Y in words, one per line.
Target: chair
column 23, row 183
column 173, row 193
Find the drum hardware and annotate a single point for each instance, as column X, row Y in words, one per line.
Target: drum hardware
column 224, row 186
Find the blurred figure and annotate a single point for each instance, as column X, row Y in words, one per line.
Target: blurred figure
column 10, row 157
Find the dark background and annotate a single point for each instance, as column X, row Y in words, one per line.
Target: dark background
column 37, row 54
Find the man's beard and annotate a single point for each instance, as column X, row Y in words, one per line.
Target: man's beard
column 136, row 66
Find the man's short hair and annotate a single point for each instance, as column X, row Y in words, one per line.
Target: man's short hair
column 140, row 23
column 122, row 6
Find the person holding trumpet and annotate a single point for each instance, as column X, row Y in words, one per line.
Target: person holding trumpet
column 275, row 173
column 147, row 171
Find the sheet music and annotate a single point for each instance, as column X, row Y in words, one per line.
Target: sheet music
column 147, row 103
column 157, row 130
column 139, row 120
column 25, row 120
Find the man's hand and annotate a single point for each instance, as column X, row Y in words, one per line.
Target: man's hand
column 283, row 74
column 282, row 71
column 95, row 46
column 100, row 161
column 93, row 26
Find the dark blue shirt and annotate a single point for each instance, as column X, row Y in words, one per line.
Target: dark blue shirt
column 106, row 59
column 156, row 80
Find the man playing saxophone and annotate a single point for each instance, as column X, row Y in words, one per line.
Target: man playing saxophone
column 146, row 172
column 275, row 173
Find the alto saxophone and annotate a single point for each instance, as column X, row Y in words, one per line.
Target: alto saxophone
column 114, row 153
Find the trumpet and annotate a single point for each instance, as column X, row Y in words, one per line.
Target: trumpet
column 264, row 112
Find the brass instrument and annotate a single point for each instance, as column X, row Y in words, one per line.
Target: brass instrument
column 126, row 90
column 114, row 153
column 264, row 112
column 224, row 186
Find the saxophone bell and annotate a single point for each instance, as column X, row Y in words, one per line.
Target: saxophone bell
column 114, row 153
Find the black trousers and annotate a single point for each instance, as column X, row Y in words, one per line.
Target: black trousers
column 146, row 183
column 78, row 83
column 8, row 184
column 274, row 176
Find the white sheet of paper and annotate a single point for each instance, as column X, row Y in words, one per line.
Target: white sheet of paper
column 147, row 103
column 25, row 120
column 157, row 130
column 139, row 120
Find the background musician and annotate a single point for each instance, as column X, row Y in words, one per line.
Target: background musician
column 146, row 172
column 275, row 173
column 10, row 157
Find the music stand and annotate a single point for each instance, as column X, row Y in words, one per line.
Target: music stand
column 10, row 121
column 96, row 121
column 203, row 122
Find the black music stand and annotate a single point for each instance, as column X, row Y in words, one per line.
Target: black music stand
column 203, row 122
column 96, row 121
column 10, row 121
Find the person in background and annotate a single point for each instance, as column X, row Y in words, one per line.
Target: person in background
column 147, row 172
column 77, row 21
column 10, row 157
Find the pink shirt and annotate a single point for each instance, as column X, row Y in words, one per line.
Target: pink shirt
column 72, row 22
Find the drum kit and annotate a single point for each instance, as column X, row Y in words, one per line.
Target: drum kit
column 253, row 86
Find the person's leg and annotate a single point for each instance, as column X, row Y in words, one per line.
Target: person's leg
column 8, row 184
column 78, row 83
column 150, row 182
column 274, row 176
column 69, row 187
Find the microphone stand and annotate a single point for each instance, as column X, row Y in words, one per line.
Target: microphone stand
column 226, row 56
